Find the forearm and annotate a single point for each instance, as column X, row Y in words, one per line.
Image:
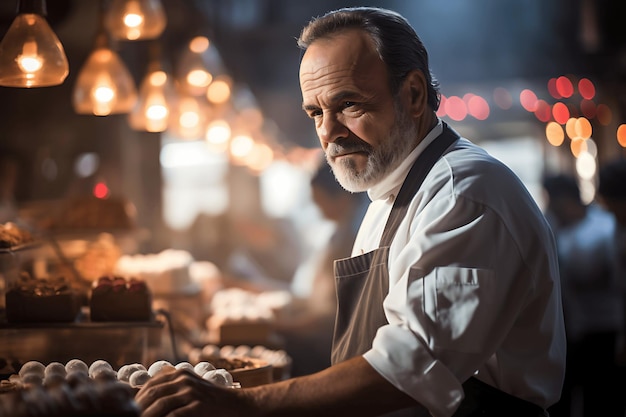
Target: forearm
column 340, row 390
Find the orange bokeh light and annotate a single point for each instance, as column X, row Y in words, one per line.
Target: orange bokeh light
column 621, row 135
column 583, row 128
column 555, row 134
column 577, row 146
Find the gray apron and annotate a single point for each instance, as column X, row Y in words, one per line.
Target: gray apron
column 363, row 283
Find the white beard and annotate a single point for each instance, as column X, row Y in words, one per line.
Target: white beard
column 380, row 161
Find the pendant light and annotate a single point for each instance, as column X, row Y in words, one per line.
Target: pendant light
column 198, row 64
column 136, row 19
column 156, row 97
column 104, row 85
column 190, row 117
column 31, row 55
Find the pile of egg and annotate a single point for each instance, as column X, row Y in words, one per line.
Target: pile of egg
column 35, row 373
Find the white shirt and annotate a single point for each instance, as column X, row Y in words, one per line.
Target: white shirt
column 473, row 285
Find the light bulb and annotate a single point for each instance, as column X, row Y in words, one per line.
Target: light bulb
column 190, row 117
column 135, row 19
column 198, row 65
column 31, row 55
column 104, row 85
column 156, row 96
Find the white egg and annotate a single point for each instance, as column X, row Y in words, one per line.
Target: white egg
column 33, row 367
column 97, row 366
column 185, row 365
column 202, row 368
column 74, row 365
column 157, row 366
column 139, row 378
column 219, row 377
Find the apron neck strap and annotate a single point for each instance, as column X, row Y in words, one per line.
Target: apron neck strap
column 422, row 165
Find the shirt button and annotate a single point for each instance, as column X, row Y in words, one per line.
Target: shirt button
column 391, row 198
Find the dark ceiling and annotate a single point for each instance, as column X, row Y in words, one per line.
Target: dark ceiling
column 470, row 43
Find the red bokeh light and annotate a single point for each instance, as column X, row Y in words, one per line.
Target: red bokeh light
column 553, row 90
column 588, row 108
column 100, row 190
column 564, row 86
column 560, row 112
column 528, row 100
column 586, row 88
column 478, row 107
column 543, row 112
column 456, row 108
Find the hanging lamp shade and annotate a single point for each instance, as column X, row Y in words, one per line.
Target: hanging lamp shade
column 31, row 55
column 199, row 63
column 156, row 98
column 190, row 117
column 104, row 85
column 135, row 19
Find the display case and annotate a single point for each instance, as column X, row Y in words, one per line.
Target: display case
column 78, row 337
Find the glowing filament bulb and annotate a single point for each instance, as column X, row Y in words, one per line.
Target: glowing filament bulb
column 29, row 61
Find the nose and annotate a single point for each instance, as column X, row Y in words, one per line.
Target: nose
column 331, row 129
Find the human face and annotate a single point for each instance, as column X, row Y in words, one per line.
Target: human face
column 364, row 131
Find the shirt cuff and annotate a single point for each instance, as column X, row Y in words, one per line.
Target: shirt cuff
column 408, row 365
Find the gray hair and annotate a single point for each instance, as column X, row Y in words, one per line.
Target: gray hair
column 397, row 43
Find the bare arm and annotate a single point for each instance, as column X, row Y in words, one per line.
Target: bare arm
column 337, row 391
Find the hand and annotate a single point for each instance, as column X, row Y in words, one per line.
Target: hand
column 183, row 394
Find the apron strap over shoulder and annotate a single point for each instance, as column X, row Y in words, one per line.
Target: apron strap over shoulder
column 414, row 180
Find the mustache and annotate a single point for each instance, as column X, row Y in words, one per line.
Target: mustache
column 346, row 146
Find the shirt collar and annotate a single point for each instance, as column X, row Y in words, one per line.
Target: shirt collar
column 390, row 185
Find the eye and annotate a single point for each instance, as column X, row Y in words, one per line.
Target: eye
column 348, row 104
column 314, row 113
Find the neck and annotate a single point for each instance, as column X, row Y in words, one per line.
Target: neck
column 425, row 124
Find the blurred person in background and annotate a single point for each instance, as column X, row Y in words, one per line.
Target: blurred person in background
column 309, row 333
column 612, row 195
column 592, row 301
column 450, row 303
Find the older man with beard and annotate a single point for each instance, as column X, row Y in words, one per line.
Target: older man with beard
column 450, row 303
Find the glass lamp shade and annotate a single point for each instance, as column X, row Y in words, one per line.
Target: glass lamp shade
column 190, row 117
column 156, row 98
column 104, row 85
column 197, row 65
column 135, row 19
column 31, row 55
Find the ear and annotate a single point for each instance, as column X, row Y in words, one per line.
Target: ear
column 415, row 85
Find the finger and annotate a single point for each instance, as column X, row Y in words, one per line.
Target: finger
column 164, row 385
column 153, row 390
column 159, row 379
column 169, row 405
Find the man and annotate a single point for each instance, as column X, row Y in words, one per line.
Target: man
column 592, row 299
column 450, row 304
